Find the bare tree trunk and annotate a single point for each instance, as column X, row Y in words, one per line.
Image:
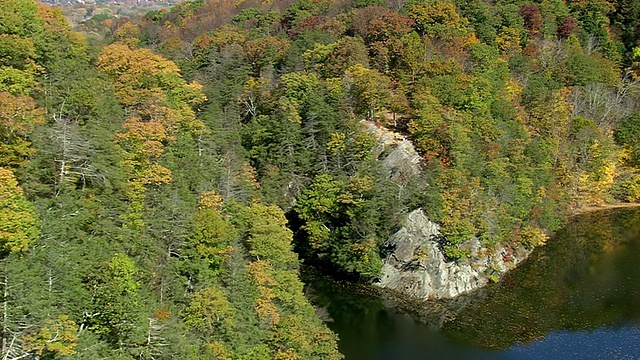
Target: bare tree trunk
column 64, row 137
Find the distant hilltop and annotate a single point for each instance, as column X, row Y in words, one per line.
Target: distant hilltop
column 78, row 11
column 112, row 2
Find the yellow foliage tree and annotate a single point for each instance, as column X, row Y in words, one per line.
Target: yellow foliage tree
column 56, row 338
column 18, row 221
column 160, row 103
column 18, row 116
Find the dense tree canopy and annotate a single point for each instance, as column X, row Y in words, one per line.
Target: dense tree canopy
column 154, row 187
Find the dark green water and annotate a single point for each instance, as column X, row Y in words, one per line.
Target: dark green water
column 576, row 298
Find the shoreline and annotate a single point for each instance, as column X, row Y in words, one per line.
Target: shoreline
column 431, row 312
column 594, row 208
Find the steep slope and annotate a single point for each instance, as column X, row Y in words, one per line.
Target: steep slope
column 156, row 187
column 119, row 246
column 512, row 107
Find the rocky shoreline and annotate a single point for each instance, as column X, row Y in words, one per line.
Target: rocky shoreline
column 415, row 265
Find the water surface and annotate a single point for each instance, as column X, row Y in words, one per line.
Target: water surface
column 576, row 298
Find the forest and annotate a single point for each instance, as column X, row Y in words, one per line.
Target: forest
column 163, row 179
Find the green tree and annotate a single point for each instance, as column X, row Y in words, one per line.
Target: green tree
column 210, row 235
column 115, row 300
column 628, row 135
column 438, row 19
column 268, row 237
column 210, row 312
column 370, row 89
column 331, row 210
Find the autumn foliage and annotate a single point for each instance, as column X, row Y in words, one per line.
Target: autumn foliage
column 141, row 219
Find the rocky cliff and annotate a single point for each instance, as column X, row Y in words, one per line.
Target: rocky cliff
column 414, row 264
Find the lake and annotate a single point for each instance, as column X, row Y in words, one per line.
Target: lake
column 578, row 297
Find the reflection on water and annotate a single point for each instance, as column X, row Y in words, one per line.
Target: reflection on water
column 578, row 297
column 587, row 277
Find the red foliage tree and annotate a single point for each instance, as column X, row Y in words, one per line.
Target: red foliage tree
column 309, row 24
column 376, row 23
column 567, row 28
column 532, row 19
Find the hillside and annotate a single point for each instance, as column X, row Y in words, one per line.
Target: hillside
column 155, row 185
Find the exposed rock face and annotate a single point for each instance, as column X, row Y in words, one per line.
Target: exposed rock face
column 396, row 153
column 416, row 266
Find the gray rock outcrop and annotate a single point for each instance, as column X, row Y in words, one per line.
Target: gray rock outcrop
column 396, row 153
column 416, row 266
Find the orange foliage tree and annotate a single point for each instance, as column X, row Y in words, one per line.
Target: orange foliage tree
column 159, row 103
